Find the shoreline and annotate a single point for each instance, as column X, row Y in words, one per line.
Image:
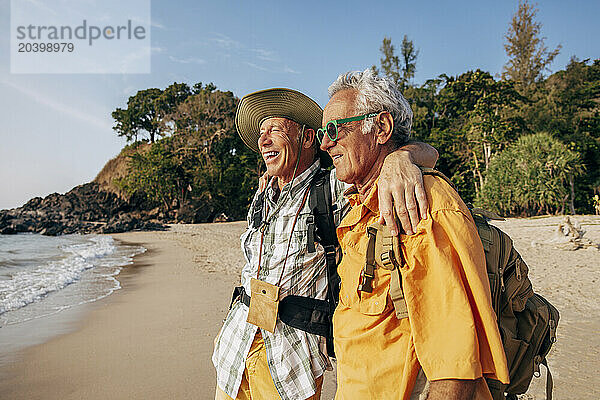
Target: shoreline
column 60, row 310
column 151, row 339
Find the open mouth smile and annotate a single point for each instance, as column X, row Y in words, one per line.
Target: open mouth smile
column 269, row 155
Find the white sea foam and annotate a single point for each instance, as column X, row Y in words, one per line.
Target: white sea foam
column 60, row 263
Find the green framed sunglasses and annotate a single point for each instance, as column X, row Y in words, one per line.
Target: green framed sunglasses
column 331, row 128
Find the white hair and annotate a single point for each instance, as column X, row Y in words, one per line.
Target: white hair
column 376, row 94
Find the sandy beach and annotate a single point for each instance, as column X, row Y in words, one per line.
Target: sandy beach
column 153, row 338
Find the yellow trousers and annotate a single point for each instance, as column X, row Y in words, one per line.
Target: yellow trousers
column 257, row 383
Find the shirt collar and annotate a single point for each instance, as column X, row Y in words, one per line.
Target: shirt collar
column 371, row 202
column 299, row 182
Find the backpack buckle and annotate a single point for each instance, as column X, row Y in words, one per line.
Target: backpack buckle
column 388, row 260
column 310, row 237
column 366, row 280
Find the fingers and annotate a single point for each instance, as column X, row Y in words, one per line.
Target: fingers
column 386, row 212
column 324, row 354
column 402, row 212
column 402, row 199
column 422, row 199
column 411, row 210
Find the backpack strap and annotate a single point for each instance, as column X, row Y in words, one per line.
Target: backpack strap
column 368, row 272
column 319, row 202
column 383, row 250
column 435, row 172
column 549, row 381
column 322, row 229
column 257, row 210
column 397, row 295
column 485, row 231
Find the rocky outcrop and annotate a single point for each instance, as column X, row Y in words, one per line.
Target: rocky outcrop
column 569, row 236
column 85, row 209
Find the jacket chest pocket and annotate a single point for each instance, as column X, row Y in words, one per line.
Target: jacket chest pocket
column 376, row 302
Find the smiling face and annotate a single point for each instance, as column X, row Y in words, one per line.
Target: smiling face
column 278, row 145
column 354, row 153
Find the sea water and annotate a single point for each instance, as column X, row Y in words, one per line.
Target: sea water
column 42, row 277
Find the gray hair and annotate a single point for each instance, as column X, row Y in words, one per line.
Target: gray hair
column 376, row 94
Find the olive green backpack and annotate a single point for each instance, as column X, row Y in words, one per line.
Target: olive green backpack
column 527, row 322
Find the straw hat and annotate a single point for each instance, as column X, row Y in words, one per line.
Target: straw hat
column 256, row 107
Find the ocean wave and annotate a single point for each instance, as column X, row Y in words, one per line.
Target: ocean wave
column 29, row 285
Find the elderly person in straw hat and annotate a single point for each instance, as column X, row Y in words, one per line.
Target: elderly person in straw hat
column 444, row 328
column 256, row 356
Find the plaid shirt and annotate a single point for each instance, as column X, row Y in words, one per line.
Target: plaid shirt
column 294, row 357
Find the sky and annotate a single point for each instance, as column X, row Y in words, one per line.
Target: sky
column 56, row 129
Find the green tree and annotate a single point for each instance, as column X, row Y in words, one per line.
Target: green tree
column 163, row 174
column 166, row 103
column 474, row 121
column 146, row 110
column 491, row 125
column 569, row 108
column 400, row 71
column 530, row 177
column 228, row 171
column 409, row 58
column 203, row 165
column 390, row 63
column 528, row 56
column 140, row 116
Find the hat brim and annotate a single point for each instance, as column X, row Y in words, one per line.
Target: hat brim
column 255, row 107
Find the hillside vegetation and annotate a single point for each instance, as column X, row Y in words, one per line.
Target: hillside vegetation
column 117, row 168
column 520, row 144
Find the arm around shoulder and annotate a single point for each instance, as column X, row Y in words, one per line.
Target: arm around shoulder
column 421, row 154
column 401, row 189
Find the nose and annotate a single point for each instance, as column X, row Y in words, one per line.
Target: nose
column 264, row 139
column 326, row 143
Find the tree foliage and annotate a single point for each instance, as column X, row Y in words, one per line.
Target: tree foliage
column 162, row 175
column 203, row 164
column 473, row 117
column 409, row 60
column 530, row 177
column 528, row 56
column 568, row 106
column 518, row 149
column 399, row 70
column 146, row 110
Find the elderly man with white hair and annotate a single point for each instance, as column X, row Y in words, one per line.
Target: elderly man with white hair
column 256, row 355
column 442, row 340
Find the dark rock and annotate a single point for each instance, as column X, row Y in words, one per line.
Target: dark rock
column 51, row 229
column 22, row 224
column 186, row 214
column 221, row 218
column 85, row 209
column 7, row 230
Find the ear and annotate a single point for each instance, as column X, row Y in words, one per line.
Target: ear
column 309, row 138
column 385, row 126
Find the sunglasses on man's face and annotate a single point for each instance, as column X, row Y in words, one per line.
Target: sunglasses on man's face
column 331, row 128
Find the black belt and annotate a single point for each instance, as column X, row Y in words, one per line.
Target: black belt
column 240, row 293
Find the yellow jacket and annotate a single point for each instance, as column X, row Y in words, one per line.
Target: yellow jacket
column 451, row 331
